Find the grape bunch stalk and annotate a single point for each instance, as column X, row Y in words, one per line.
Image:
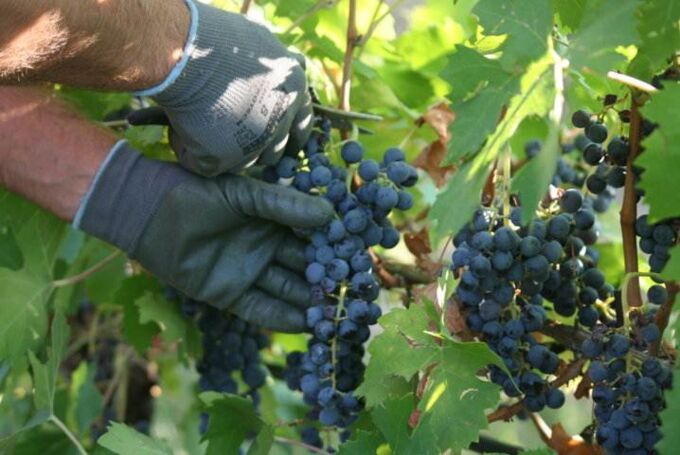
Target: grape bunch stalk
column 340, row 269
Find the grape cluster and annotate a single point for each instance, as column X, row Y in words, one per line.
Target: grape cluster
column 656, row 240
column 508, row 272
column 571, row 172
column 628, row 383
column 340, row 269
column 230, row 345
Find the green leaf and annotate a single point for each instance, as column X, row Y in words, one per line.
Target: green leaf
column 606, row 25
column 476, row 118
column 658, row 27
column 411, row 87
column 671, row 271
column 24, row 293
column 671, row 414
column 232, row 420
column 392, row 419
column 526, row 24
column 36, row 420
column 154, row 308
column 85, row 400
column 123, row 440
column 460, row 198
column 662, row 154
column 45, row 374
column 401, row 350
column 532, row 180
column 263, row 442
column 137, row 334
column 467, row 71
column 455, row 390
column 570, row 12
column 362, row 442
column 10, row 253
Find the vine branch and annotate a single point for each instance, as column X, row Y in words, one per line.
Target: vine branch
column 628, row 212
column 246, row 6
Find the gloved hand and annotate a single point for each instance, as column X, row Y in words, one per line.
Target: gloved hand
column 236, row 96
column 225, row 241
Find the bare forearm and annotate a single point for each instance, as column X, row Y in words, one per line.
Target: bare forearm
column 113, row 44
column 48, row 153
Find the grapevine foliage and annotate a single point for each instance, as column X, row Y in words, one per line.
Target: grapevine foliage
column 504, row 252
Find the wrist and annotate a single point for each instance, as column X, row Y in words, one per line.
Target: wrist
column 173, row 62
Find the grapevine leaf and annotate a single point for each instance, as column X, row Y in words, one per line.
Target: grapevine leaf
column 606, row 25
column 672, row 269
column 36, row 420
column 662, row 153
column 10, row 253
column 123, row 440
column 476, row 118
column 137, row 334
column 401, row 350
column 232, row 420
column 455, row 389
column 153, row 308
column 671, row 439
column 532, row 180
column 392, row 419
column 263, row 442
column 658, row 27
column 45, row 374
column 85, row 399
column 364, row 442
column 24, row 293
column 570, row 12
column 525, row 23
column 469, row 71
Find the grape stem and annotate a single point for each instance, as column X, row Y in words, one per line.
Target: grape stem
column 87, row 273
column 64, row 429
column 334, row 342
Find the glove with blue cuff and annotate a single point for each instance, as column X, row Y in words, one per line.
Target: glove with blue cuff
column 226, row 241
column 236, row 97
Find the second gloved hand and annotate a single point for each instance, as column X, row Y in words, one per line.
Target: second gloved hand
column 225, row 241
column 237, row 96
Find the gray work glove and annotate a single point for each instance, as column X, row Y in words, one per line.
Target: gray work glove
column 225, row 241
column 237, row 96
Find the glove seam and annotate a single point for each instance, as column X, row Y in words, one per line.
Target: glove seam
column 78, row 217
column 186, row 56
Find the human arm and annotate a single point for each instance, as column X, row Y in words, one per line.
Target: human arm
column 226, row 241
column 109, row 45
column 233, row 94
column 48, row 153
